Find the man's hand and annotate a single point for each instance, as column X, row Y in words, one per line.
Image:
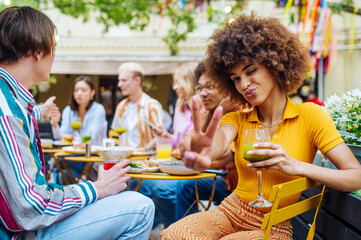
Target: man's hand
column 112, row 181
column 49, row 108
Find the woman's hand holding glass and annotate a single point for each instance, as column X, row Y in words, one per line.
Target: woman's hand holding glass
column 279, row 159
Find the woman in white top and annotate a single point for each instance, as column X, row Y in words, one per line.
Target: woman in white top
column 82, row 105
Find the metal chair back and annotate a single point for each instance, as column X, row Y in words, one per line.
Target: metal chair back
column 277, row 215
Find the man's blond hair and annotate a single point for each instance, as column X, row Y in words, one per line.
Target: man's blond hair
column 133, row 67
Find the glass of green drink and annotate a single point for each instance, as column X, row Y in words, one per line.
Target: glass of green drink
column 121, row 129
column 75, row 124
column 251, row 137
column 86, row 135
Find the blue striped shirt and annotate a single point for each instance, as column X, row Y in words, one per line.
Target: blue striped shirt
column 27, row 201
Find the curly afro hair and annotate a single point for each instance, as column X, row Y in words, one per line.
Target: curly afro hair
column 259, row 40
column 199, row 71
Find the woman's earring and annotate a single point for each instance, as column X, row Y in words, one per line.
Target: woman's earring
column 91, row 97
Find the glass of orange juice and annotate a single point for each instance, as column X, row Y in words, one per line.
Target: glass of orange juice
column 164, row 147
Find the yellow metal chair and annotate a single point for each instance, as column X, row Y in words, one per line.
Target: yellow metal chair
column 114, row 135
column 286, row 189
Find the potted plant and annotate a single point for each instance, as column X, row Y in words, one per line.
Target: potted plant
column 346, row 114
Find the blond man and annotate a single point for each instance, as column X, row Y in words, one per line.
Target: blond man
column 138, row 106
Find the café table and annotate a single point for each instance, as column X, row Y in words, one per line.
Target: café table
column 166, row 176
column 62, row 157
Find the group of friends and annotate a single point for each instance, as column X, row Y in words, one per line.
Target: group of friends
column 251, row 66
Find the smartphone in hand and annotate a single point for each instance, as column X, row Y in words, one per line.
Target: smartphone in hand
column 152, row 125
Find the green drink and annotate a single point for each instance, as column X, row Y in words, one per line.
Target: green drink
column 120, row 130
column 252, row 136
column 75, row 125
column 248, row 147
column 85, row 139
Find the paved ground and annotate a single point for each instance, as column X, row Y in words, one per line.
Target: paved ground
column 156, row 231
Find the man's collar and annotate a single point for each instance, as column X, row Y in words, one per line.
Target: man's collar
column 22, row 94
column 142, row 100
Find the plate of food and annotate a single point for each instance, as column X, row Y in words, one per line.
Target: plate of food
column 176, row 168
column 58, row 143
column 143, row 152
column 136, row 168
column 46, row 143
column 144, row 170
column 67, row 140
column 77, row 149
column 144, row 165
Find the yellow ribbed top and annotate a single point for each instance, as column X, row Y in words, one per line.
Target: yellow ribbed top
column 303, row 129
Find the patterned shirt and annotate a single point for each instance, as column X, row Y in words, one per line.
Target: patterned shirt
column 148, row 109
column 27, row 201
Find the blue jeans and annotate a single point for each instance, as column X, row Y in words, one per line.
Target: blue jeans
column 186, row 194
column 165, row 200
column 127, row 215
column 163, row 193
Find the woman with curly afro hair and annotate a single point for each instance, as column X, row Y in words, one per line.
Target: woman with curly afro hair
column 258, row 61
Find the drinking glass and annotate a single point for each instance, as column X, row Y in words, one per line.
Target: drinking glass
column 121, row 129
column 75, row 124
column 251, row 137
column 113, row 157
column 86, row 135
column 164, row 147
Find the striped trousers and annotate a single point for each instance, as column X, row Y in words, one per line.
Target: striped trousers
column 232, row 219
